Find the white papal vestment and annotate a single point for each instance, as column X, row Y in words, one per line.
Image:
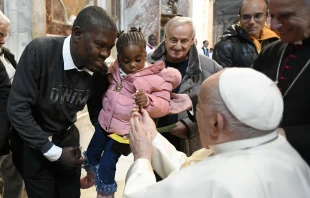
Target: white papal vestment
column 263, row 167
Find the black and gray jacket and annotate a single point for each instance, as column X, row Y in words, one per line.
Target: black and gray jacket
column 199, row 68
column 236, row 49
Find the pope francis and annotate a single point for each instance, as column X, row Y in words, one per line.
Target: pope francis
column 237, row 114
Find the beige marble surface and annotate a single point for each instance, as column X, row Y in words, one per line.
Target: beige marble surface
column 86, row 132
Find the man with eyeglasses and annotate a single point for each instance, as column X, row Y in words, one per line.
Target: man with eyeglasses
column 242, row 42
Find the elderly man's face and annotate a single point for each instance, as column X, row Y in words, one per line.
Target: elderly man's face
column 4, row 29
column 291, row 18
column 253, row 17
column 178, row 42
column 93, row 47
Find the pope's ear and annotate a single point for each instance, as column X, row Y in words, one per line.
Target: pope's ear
column 218, row 125
column 220, row 122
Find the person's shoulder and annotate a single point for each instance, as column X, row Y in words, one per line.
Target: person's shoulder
column 46, row 41
column 208, row 64
column 273, row 47
column 224, row 44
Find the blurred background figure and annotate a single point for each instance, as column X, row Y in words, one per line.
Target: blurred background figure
column 204, row 49
column 151, row 43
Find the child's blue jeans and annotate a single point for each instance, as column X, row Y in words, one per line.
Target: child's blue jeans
column 102, row 160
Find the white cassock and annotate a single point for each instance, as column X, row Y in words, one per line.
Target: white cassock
column 263, row 167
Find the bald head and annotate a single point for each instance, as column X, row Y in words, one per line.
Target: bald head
column 264, row 3
column 246, row 103
column 253, row 16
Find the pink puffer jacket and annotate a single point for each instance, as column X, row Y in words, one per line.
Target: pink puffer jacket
column 155, row 81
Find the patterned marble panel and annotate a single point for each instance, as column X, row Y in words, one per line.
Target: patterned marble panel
column 59, row 12
column 144, row 14
column 184, row 7
column 56, row 18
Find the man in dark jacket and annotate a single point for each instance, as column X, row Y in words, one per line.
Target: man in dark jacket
column 12, row 180
column 179, row 51
column 287, row 62
column 53, row 81
column 242, row 42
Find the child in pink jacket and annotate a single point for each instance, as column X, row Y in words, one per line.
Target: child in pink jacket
column 132, row 81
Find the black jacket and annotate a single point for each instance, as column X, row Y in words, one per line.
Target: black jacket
column 296, row 115
column 236, row 48
column 5, row 86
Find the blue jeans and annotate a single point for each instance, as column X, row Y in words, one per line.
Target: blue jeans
column 102, row 164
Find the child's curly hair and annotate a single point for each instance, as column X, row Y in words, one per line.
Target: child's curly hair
column 134, row 35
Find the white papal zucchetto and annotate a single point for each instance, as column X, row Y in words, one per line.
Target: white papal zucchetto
column 251, row 97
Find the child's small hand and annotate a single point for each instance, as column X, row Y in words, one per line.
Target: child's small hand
column 140, row 98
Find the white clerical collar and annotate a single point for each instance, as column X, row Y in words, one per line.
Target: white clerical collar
column 68, row 61
column 243, row 144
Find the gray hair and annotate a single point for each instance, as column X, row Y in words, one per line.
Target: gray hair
column 176, row 21
column 239, row 129
column 4, row 18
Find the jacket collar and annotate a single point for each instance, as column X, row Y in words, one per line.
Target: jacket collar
column 193, row 68
column 243, row 144
column 236, row 30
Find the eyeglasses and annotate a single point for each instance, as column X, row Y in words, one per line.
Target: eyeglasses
column 257, row 17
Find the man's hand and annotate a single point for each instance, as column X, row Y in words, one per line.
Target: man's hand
column 140, row 98
column 71, row 157
column 180, row 103
column 180, row 130
column 142, row 132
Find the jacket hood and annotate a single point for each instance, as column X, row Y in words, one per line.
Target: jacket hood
column 171, row 75
column 193, row 58
column 236, row 30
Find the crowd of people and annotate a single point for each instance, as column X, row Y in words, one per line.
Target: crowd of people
column 231, row 125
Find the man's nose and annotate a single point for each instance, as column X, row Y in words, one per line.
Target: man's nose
column 178, row 45
column 252, row 20
column 2, row 40
column 105, row 53
column 275, row 24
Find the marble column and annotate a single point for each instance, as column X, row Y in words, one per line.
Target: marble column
column 20, row 14
column 38, row 18
column 144, row 14
column 184, row 7
column 210, row 18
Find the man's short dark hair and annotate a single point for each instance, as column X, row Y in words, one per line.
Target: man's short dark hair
column 205, row 41
column 152, row 35
column 94, row 17
column 266, row 1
